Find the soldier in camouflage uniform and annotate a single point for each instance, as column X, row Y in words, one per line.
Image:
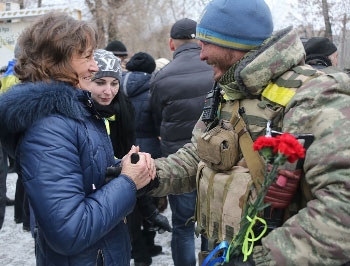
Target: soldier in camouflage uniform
column 237, row 40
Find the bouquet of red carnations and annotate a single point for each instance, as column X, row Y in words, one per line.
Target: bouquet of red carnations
column 276, row 151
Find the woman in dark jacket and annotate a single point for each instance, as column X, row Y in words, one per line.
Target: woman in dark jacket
column 63, row 149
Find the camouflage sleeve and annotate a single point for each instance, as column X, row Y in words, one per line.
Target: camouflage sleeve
column 319, row 233
column 177, row 172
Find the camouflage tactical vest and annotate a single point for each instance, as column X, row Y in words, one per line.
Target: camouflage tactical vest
column 223, row 191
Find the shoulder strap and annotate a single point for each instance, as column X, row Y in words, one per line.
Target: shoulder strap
column 253, row 159
column 282, row 90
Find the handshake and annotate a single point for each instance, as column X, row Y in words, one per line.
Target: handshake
column 156, row 221
column 114, row 171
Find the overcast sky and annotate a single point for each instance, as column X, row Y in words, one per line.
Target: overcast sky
column 279, row 9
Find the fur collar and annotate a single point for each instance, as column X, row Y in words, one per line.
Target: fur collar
column 28, row 102
column 279, row 53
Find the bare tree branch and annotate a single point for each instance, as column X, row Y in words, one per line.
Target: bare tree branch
column 327, row 22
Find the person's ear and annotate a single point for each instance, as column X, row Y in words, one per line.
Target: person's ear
column 171, row 45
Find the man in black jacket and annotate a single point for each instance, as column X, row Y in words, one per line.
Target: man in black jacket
column 177, row 97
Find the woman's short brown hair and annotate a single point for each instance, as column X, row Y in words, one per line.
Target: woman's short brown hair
column 47, row 47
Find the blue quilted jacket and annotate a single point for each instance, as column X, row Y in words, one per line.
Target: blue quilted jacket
column 63, row 150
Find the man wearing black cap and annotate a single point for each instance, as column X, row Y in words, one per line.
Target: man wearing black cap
column 177, row 96
column 321, row 52
column 119, row 50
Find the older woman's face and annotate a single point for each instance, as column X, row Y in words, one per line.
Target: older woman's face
column 103, row 89
column 84, row 64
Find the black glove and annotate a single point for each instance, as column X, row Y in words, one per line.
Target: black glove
column 112, row 172
column 159, row 222
column 151, row 185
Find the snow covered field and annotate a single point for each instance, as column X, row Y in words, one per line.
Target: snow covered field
column 17, row 246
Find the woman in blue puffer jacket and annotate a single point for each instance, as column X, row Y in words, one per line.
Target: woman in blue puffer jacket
column 63, row 149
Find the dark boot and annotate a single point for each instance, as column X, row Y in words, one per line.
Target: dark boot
column 154, row 250
column 10, row 202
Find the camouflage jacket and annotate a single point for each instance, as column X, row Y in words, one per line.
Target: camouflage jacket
column 319, row 233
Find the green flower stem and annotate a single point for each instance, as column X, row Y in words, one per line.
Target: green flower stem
column 252, row 209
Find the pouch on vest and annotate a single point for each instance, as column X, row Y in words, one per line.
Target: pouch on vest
column 219, row 201
column 218, row 147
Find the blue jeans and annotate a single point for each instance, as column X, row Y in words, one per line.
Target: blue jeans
column 182, row 242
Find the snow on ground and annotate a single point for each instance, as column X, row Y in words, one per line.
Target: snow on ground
column 17, row 246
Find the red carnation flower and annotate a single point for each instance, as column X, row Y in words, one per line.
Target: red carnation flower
column 290, row 147
column 264, row 142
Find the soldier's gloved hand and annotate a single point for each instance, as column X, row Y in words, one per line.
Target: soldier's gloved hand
column 159, row 222
column 282, row 191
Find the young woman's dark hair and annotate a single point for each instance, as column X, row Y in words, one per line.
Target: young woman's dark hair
column 122, row 126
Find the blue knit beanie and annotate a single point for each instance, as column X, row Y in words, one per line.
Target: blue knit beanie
column 236, row 24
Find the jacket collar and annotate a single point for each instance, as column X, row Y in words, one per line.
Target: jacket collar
column 279, row 53
column 186, row 47
column 28, row 102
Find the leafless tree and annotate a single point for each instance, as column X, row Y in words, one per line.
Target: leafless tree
column 98, row 12
column 327, row 22
column 328, row 18
column 143, row 25
column 105, row 13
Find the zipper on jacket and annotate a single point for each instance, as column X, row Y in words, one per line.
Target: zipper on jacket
column 100, row 260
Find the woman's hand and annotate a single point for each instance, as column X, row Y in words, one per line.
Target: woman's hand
column 141, row 172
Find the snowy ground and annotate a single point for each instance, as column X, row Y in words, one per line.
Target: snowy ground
column 17, row 246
